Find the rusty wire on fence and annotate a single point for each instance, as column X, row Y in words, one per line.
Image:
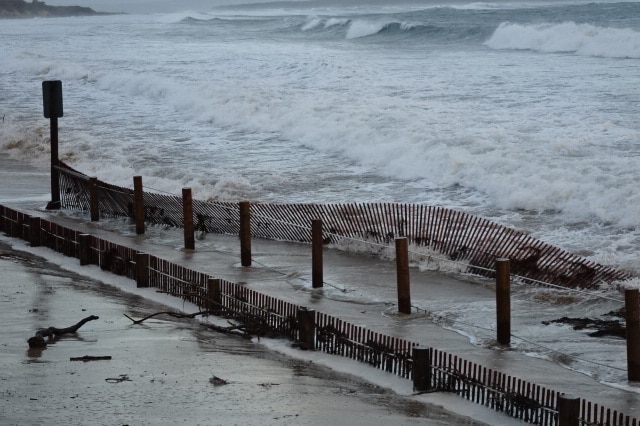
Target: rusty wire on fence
column 458, row 236
column 271, row 316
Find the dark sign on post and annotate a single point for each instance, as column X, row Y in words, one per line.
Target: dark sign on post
column 52, row 100
column 52, row 97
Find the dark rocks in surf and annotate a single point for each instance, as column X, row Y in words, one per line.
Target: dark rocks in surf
column 35, row 8
column 600, row 327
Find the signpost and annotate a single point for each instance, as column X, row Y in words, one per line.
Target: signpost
column 52, row 100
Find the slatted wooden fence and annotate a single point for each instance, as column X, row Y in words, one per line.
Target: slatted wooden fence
column 509, row 395
column 456, row 235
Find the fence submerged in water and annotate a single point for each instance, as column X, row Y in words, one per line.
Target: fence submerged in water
column 456, row 235
column 459, row 236
column 445, row 372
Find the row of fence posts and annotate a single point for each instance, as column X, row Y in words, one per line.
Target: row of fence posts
column 503, row 296
column 503, row 275
column 568, row 406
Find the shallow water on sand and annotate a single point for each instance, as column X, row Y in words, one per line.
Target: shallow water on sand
column 161, row 371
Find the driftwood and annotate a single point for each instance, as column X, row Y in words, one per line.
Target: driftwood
column 38, row 341
column 238, row 330
column 602, row 327
column 88, row 358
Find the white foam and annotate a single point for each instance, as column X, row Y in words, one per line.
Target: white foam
column 583, row 39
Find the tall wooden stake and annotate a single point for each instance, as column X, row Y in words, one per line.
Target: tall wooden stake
column 402, row 266
column 568, row 410
column 187, row 213
column 138, row 195
column 633, row 334
column 503, row 301
column 94, row 202
column 317, row 273
column 245, row 233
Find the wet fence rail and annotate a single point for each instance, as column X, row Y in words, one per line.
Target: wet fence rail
column 457, row 236
column 445, row 372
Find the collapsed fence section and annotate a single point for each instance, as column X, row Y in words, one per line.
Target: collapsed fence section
column 456, row 235
column 266, row 315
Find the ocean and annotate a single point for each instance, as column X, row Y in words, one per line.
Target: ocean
column 521, row 112
column 525, row 113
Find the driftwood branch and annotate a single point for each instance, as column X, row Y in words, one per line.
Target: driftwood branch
column 38, row 341
column 88, row 358
column 238, row 330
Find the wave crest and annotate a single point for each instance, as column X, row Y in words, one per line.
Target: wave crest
column 583, row 39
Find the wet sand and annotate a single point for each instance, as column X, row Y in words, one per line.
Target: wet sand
column 161, row 371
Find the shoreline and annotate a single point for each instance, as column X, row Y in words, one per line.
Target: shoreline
column 284, row 259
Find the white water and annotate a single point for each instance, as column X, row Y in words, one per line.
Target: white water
column 525, row 114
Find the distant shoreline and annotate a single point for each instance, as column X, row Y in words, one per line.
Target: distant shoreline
column 39, row 9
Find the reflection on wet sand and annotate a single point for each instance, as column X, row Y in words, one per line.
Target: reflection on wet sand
column 169, row 365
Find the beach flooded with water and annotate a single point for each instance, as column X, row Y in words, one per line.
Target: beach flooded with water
column 164, row 371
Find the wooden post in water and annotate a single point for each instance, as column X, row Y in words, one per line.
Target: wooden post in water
column 34, row 231
column 94, row 203
column 568, row 410
column 245, row 233
column 402, row 267
column 317, row 273
column 138, row 204
column 84, row 249
column 633, row 334
column 503, row 301
column 421, row 369
column 307, row 328
column 142, row 270
column 214, row 295
column 187, row 214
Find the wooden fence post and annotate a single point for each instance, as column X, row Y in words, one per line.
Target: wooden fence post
column 503, row 301
column 94, row 203
column 84, row 249
column 307, row 328
column 34, row 231
column 245, row 233
column 402, row 267
column 187, row 213
column 317, row 274
column 421, row 369
column 568, row 410
column 633, row 334
column 214, row 295
column 142, row 270
column 138, row 204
